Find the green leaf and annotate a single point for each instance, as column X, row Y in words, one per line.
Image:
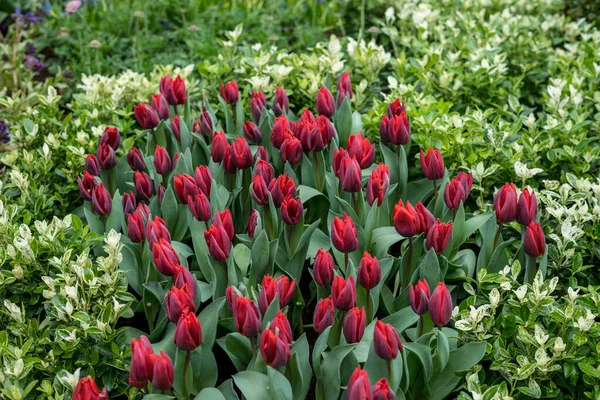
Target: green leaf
column 382, row 239
column 319, row 349
column 253, row 385
column 210, row 394
column 343, row 121
column 279, row 386
column 429, row 269
column 96, row 225
column 115, row 218
column 300, row 368
column 204, row 367
column 423, row 353
column 329, row 381
column 260, row 255
column 295, row 266
column 443, row 349
column 209, row 319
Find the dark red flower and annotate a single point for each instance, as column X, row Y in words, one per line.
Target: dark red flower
column 128, row 203
column 156, row 229
column 440, row 305
column 241, row 153
column 206, row 126
column 230, row 92
column 176, row 126
column 432, row 164
column 273, row 349
column 173, row 90
column 344, row 88
column 141, row 368
column 386, row 341
column 246, row 316
column 200, row 207
column 354, row 325
column 291, row 150
column 86, row 185
column 395, row 129
column 218, row 242
column 396, row 108
column 257, row 103
column 281, row 327
column 419, row 297
column 426, row 218
column 534, row 241
column 136, row 160
column 252, row 223
column 505, row 203
column 382, row 391
column 359, row 387
column 101, row 200
column 165, row 257
column 162, row 377
column 252, row 132
column 107, row 157
column 324, row 315
column 281, row 102
column 162, row 160
column 282, row 187
column 143, row 186
column 343, row 234
column 161, row 106
column 369, row 271
column 135, row 227
column 183, row 276
column 343, row 293
column 259, row 190
column 203, row 179
column 87, row 389
column 280, row 130
column 178, row 301
column 406, row 219
column 145, row 116
column 111, row 137
column 323, row 268
column 527, row 207
column 438, row 237
column 350, row 175
column 92, row 166
column 377, row 184
column 188, row 334
column 291, row 210
column 261, row 154
column 325, row 102
column 362, row 149
column 219, row 145
column 224, row 218
column 229, row 164
column 185, row 186
column 265, row 170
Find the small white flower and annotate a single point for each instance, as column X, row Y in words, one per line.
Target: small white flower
column 541, row 358
column 573, row 294
column 559, row 345
column 540, row 336
column 524, row 172
column 494, row 297
column 521, row 292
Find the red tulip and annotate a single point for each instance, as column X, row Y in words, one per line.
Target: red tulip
column 111, row 137
column 419, row 297
column 257, row 103
column 241, row 153
column 281, row 102
column 188, row 334
column 218, row 242
column 282, row 187
column 206, row 126
column 273, row 349
column 454, row 194
column 377, row 184
column 128, row 203
column 362, row 149
column 87, row 389
column 261, row 154
column 386, row 341
column 291, row 210
column 406, row 219
column 252, row 223
column 259, row 190
column 176, row 126
column 527, row 207
column 307, row 116
column 369, row 271
column 106, row 156
column 325, row 103
column 162, row 160
column 323, row 268
column 178, row 301
column 161, row 105
column 143, row 186
column 343, row 293
column 264, row 169
column 396, row 108
column 344, row 88
column 280, row 130
column 173, row 90
column 101, row 200
column 359, row 387
column 86, row 186
column 323, row 316
column 136, row 160
column 354, row 325
column 229, row 92
column 343, row 234
column 225, row 219
column 135, row 227
column 466, row 180
column 438, row 236
column 534, row 241
column 219, row 145
column 165, row 257
column 382, row 391
column 200, row 207
column 229, row 164
column 252, row 132
column 185, row 187
column 505, row 203
column 432, row 164
column 322, row 131
column 246, row 316
column 91, row 165
column 395, row 129
column 291, row 150
column 183, row 276
column 156, row 230
column 145, row 116
column 440, row 305
column 144, row 209
column 162, row 377
column 350, row 175
column 281, row 327
column 230, row 294
column 141, row 369
column 270, row 287
column 203, row 179
column 426, row 218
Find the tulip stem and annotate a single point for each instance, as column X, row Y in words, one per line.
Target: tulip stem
column 533, row 261
column 346, row 262
column 421, row 325
column 389, row 369
column 341, row 323
column 497, row 237
column 253, row 345
column 435, row 189
column 369, row 311
column 185, row 370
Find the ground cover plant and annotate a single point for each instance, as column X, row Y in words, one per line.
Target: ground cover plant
column 301, row 200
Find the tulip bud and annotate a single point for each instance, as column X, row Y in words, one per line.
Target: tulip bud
column 325, row 103
column 343, row 234
column 179, row 93
column 156, row 230
column 218, row 242
column 252, row 223
column 323, row 268
column 86, row 186
column 87, row 389
column 467, row 181
column 101, row 200
column 291, row 151
column 128, row 203
column 257, row 103
column 440, row 305
column 270, row 287
column 324, row 314
column 165, row 257
column 176, row 126
column 369, row 271
column 432, row 164
column 219, row 145
column 203, row 179
column 291, row 210
column 136, row 160
column 282, row 187
column 382, row 391
column 162, row 160
column 229, row 92
column 320, row 133
column 281, row 327
column 230, row 294
column 359, row 387
column 259, row 190
column 92, row 166
column 419, row 297
column 527, row 207
column 274, row 350
column 261, row 154
column 505, row 203
column 350, row 175
column 185, row 187
column 252, row 132
column 343, row 293
column 280, row 130
column 229, row 164
column 377, row 184
column 200, row 207
column 534, row 241
column 161, row 105
column 438, row 236
column 182, row 277
column 265, row 170
column 177, row 302
column 225, row 219
column 145, row 116
column 406, row 219
column 206, row 126
column 454, row 194
column 106, row 156
column 111, row 137
column 246, row 316
column 354, row 325
column 362, row 149
column 396, row 108
column 160, row 193
column 143, row 186
column 144, row 209
column 344, row 87
column 141, row 368
column 426, row 218
column 395, row 129
column 135, row 227
column 162, row 377
column 386, row 341
column 188, row 334
column 242, row 155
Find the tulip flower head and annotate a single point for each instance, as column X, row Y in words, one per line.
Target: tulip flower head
column 324, row 314
column 343, row 234
column 359, row 387
column 354, row 325
column 440, row 305
column 386, row 341
column 419, row 297
column 534, row 242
